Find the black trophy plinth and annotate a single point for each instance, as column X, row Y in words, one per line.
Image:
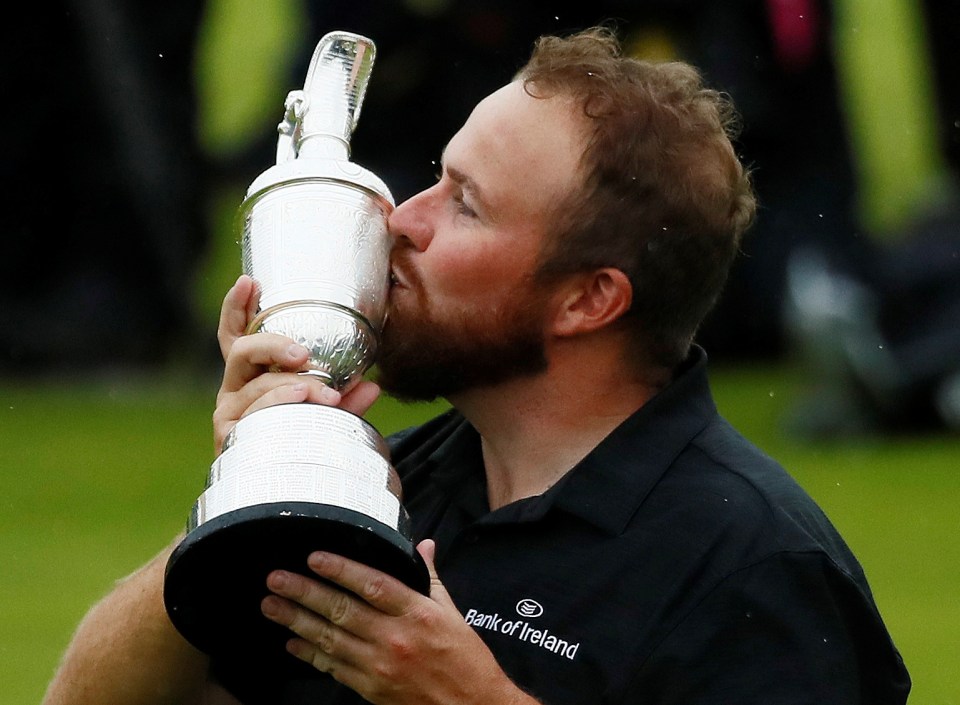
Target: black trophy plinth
column 216, row 577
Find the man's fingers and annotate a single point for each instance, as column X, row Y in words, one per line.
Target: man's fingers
column 265, row 391
column 328, row 615
column 360, row 398
column 321, row 644
column 304, row 623
column 382, row 591
column 301, row 391
column 251, row 355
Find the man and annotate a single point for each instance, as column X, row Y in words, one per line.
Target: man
column 595, row 532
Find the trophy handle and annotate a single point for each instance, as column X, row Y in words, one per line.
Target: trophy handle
column 291, row 127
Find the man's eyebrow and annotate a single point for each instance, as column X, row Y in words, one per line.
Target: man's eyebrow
column 468, row 185
column 463, row 180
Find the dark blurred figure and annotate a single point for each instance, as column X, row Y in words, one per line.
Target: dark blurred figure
column 776, row 59
column 880, row 334
column 101, row 184
column 943, row 31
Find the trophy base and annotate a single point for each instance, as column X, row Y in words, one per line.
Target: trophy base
column 216, row 577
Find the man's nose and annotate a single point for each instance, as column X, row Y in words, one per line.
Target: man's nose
column 412, row 221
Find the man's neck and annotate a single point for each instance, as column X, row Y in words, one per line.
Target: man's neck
column 534, row 430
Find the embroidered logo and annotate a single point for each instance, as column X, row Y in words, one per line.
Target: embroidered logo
column 522, row 630
column 531, row 609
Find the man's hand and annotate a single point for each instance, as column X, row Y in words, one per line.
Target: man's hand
column 384, row 640
column 260, row 370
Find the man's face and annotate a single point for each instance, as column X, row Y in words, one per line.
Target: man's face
column 464, row 310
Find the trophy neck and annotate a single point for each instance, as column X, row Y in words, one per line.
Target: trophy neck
column 324, row 146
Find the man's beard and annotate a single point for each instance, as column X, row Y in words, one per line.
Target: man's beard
column 423, row 357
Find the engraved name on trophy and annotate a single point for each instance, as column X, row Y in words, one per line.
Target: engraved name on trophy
column 297, row 478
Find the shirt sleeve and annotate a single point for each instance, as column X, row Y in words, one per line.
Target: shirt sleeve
column 793, row 629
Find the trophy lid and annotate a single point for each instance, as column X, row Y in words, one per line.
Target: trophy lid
column 319, row 120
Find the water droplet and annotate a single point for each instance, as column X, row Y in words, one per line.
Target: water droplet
column 820, row 215
column 772, row 394
column 160, row 55
column 879, row 347
column 749, row 615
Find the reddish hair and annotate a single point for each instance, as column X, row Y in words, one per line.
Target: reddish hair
column 665, row 198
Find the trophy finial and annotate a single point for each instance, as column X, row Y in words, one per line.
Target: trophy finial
column 319, row 120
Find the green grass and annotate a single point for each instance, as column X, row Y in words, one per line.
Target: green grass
column 97, row 477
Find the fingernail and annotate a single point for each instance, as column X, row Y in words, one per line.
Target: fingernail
column 295, row 352
column 329, row 395
column 317, row 560
column 269, row 607
column 277, row 580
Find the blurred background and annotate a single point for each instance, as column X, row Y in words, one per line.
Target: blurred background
column 131, row 134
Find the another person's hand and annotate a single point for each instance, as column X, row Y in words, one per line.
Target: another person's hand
column 384, row 640
column 261, row 369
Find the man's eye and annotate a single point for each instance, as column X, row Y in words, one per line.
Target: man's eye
column 463, row 208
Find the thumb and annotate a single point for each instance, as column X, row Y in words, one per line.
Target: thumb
column 239, row 307
column 438, row 593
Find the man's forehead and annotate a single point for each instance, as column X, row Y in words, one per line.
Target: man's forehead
column 512, row 140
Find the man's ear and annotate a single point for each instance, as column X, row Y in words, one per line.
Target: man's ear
column 591, row 301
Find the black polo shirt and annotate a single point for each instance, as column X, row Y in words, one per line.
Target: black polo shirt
column 676, row 563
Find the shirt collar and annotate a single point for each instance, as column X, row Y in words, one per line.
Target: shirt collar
column 608, row 486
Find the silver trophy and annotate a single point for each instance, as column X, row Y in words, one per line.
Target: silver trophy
column 297, row 478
